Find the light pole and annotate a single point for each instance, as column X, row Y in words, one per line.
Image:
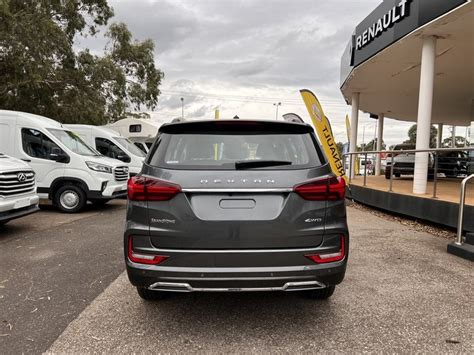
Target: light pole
column 453, row 137
column 276, row 105
column 182, row 107
column 363, row 136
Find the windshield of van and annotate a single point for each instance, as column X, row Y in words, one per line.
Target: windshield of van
column 74, row 142
column 129, row 146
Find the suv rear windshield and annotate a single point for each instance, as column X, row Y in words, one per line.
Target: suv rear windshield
column 228, row 151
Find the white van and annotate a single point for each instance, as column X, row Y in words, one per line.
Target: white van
column 18, row 196
column 68, row 170
column 111, row 144
column 141, row 132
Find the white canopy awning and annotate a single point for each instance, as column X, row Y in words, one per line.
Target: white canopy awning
column 389, row 81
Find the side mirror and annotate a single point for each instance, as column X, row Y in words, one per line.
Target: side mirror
column 125, row 158
column 58, row 155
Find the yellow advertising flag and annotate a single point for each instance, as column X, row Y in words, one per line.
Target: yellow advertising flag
column 324, row 131
column 348, row 128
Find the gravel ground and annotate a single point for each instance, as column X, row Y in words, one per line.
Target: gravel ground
column 418, row 225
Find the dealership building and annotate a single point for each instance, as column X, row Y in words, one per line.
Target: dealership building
column 412, row 60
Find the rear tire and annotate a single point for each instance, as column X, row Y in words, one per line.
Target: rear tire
column 149, row 295
column 70, row 198
column 320, row 293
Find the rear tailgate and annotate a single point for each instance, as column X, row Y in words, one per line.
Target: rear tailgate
column 224, row 202
column 236, row 210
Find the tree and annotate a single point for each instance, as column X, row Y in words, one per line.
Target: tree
column 459, row 141
column 340, row 147
column 42, row 73
column 372, row 145
column 412, row 136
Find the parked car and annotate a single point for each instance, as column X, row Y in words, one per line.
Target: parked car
column 404, row 162
column 18, row 196
column 452, row 164
column 68, row 171
column 236, row 206
column 470, row 163
column 110, row 144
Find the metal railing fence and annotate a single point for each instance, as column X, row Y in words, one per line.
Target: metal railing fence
column 435, row 152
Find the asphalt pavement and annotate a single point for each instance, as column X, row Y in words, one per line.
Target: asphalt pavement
column 63, row 289
column 52, row 265
column 402, row 293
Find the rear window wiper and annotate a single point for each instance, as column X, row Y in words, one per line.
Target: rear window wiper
column 249, row 164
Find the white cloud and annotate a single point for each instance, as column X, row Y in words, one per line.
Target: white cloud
column 241, row 56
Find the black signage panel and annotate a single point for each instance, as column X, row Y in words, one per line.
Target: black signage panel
column 346, row 59
column 392, row 20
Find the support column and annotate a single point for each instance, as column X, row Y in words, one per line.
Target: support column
column 354, row 126
column 453, row 137
column 378, row 163
column 439, row 138
column 425, row 106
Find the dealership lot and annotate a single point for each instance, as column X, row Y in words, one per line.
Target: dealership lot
column 402, row 292
column 52, row 265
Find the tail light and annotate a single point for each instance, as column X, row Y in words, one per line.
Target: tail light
column 141, row 188
column 323, row 258
column 143, row 258
column 327, row 189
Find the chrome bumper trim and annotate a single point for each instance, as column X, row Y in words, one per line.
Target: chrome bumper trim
column 185, row 287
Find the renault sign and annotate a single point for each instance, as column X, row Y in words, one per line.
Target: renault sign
column 389, row 22
column 396, row 13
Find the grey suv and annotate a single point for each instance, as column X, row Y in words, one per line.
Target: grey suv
column 236, row 206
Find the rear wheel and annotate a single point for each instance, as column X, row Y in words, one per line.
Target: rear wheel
column 70, row 198
column 150, row 295
column 320, row 293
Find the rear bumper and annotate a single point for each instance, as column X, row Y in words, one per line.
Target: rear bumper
column 209, row 279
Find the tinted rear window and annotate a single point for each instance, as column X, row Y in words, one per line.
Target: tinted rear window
column 221, row 151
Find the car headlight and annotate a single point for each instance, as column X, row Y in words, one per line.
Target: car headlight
column 99, row 167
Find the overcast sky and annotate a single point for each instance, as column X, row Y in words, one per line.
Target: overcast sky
column 241, row 56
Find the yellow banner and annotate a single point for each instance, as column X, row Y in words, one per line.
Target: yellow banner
column 324, row 131
column 348, row 128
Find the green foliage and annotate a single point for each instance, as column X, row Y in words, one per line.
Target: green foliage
column 412, row 136
column 43, row 74
column 339, row 146
column 459, row 141
column 372, row 146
